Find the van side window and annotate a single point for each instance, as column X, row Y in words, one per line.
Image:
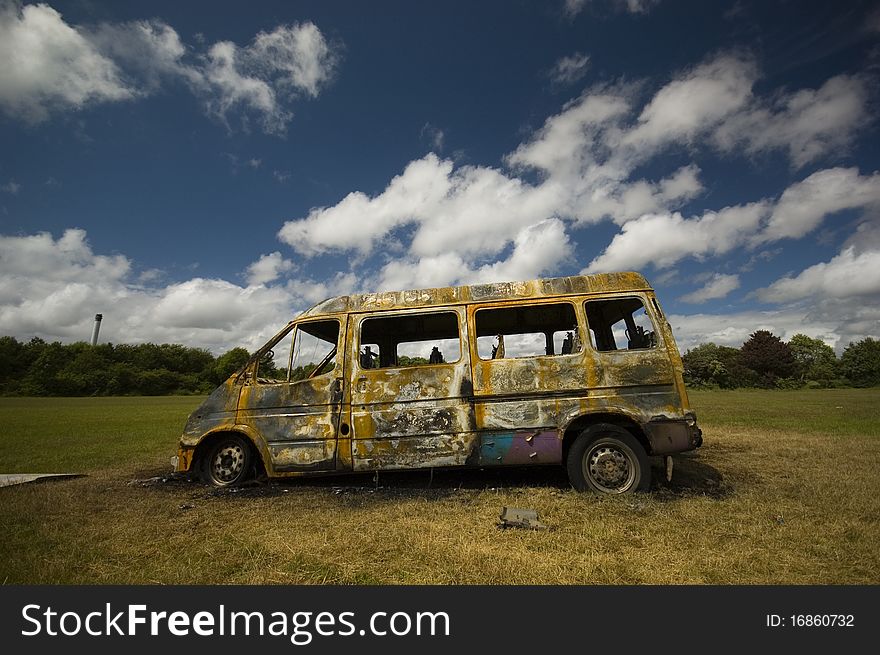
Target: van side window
column 619, row 324
column 527, row 331
column 409, row 340
column 314, row 349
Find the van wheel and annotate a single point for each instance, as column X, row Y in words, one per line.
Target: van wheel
column 608, row 459
column 229, row 462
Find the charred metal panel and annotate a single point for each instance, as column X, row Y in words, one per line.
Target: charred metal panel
column 303, row 455
column 217, row 411
column 520, row 448
column 425, row 451
column 297, row 420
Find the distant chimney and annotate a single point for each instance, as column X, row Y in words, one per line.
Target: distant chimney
column 98, row 318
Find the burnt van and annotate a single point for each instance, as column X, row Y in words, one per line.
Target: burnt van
column 579, row 371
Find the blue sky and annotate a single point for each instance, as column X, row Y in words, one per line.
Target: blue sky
column 199, row 172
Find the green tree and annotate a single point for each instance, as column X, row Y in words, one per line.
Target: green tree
column 228, row 363
column 703, row 367
column 769, row 357
column 815, row 359
column 860, row 362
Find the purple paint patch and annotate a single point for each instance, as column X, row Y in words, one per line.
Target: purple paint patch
column 520, row 448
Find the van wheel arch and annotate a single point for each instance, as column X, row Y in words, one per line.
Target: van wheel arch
column 574, row 429
column 256, row 467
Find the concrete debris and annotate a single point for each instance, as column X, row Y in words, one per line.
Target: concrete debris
column 10, row 479
column 511, row 517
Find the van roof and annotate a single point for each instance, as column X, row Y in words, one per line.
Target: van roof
column 541, row 288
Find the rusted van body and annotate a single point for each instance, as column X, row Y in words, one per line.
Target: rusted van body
column 580, row 371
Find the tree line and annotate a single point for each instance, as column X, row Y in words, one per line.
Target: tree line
column 38, row 368
column 766, row 361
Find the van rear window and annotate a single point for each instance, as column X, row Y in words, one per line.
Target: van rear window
column 619, row 324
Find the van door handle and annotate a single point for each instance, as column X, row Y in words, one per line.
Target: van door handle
column 362, row 384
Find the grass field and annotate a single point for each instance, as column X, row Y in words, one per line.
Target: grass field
column 786, row 490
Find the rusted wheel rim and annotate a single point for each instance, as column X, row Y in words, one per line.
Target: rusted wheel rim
column 228, row 463
column 610, row 468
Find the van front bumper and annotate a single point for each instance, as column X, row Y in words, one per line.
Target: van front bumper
column 673, row 435
column 182, row 461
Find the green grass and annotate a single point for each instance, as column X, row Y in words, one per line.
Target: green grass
column 55, row 435
column 832, row 412
column 785, row 490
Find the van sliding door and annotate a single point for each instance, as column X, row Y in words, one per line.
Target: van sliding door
column 410, row 390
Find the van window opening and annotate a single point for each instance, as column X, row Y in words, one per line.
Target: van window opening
column 409, row 340
column 528, row 331
column 619, row 324
column 314, row 350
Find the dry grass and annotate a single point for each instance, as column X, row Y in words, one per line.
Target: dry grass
column 768, row 499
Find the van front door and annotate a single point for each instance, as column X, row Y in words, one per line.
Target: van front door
column 298, row 411
column 411, row 390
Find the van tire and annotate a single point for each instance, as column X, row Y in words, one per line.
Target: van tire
column 229, row 461
column 608, row 459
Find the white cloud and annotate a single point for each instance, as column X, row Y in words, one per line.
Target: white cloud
column 445, row 223
column 288, row 61
column 52, row 288
column 59, row 66
column 663, row 239
column 12, row 187
column 695, row 101
column 49, row 65
column 297, row 57
column 808, row 123
column 733, row 329
column 537, row 249
column 570, row 69
column 804, row 205
column 268, row 268
column 719, row 286
column 846, row 275
column 147, row 51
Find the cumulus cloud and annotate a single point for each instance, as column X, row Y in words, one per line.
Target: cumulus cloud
column 570, row 69
column 49, row 65
column 268, row 268
column 12, row 187
column 809, row 123
column 719, row 286
column 696, row 101
column 734, row 328
column 63, row 67
column 804, row 205
column 440, row 223
column 52, row 288
column 662, row 240
column 538, row 249
column 846, row 275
